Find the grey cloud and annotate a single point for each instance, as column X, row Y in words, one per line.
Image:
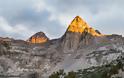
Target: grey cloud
column 92, row 5
column 19, row 13
column 98, row 14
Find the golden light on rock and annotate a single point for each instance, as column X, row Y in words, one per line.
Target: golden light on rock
column 38, row 40
column 39, row 37
column 79, row 25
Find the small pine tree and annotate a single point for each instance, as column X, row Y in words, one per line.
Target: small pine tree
column 71, row 74
column 59, row 74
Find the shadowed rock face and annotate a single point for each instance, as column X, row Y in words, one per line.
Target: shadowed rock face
column 39, row 37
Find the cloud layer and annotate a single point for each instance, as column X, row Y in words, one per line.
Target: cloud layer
column 22, row 18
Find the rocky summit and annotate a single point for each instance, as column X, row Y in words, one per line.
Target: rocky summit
column 39, row 37
column 82, row 52
column 80, row 26
column 78, row 32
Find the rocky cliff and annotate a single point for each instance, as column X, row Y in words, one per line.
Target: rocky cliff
column 78, row 32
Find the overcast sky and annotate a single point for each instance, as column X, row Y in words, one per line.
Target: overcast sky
column 22, row 18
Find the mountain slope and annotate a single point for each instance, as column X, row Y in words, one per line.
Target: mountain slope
column 115, row 69
column 81, row 47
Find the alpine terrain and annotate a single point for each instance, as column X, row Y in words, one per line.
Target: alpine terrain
column 82, row 52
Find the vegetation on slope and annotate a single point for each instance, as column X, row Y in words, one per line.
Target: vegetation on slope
column 105, row 71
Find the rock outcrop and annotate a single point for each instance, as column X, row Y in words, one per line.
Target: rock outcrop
column 39, row 37
column 78, row 32
column 80, row 26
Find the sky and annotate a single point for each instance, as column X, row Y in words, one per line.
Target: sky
column 20, row 19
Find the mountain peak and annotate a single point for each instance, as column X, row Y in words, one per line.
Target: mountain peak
column 38, row 37
column 80, row 26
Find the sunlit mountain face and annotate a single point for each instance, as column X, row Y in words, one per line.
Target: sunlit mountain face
column 39, row 37
column 79, row 25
